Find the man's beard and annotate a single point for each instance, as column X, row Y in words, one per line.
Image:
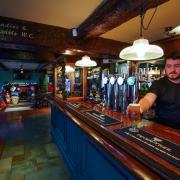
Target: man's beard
column 175, row 76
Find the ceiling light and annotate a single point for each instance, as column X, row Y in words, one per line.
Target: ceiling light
column 69, row 69
column 86, row 62
column 68, row 52
column 141, row 49
column 175, row 30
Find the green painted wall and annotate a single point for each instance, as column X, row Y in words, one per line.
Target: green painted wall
column 40, row 77
column 6, row 76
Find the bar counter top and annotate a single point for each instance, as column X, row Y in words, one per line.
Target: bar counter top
column 138, row 160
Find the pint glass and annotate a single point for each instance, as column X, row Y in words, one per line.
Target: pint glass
column 134, row 116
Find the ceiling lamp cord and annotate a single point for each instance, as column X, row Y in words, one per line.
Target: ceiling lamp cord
column 142, row 16
column 141, row 49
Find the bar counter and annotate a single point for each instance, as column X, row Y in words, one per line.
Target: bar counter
column 101, row 153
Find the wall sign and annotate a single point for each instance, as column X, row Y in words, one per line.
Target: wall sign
column 9, row 30
column 26, row 32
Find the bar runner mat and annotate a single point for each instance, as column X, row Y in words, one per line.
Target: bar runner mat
column 161, row 147
column 101, row 118
column 77, row 106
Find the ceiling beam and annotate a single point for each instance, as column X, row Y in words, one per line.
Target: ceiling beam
column 23, row 47
column 26, row 56
column 110, row 14
column 50, row 39
column 3, row 67
column 169, row 44
column 41, row 67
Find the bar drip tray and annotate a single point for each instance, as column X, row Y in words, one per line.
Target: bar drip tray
column 78, row 106
column 157, row 145
column 101, row 118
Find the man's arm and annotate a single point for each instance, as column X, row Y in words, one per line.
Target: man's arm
column 147, row 101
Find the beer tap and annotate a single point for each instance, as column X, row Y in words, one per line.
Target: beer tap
column 116, row 96
column 123, row 89
column 110, row 92
column 132, row 82
column 105, row 84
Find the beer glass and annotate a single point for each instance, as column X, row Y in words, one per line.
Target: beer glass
column 134, row 116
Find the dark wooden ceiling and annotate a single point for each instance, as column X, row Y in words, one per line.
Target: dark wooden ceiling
column 42, row 43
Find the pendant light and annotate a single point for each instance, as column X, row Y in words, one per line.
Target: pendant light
column 141, row 49
column 85, row 62
column 69, row 69
column 175, row 31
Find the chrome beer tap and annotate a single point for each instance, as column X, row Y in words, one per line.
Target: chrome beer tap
column 105, row 84
column 110, row 92
column 132, row 82
column 116, row 96
column 123, row 93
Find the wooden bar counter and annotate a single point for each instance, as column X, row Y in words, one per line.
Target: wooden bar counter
column 94, row 151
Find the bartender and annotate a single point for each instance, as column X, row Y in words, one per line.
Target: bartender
column 165, row 92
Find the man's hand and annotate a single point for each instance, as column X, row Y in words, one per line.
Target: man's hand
column 147, row 101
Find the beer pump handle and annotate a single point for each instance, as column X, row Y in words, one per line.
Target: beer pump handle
column 124, row 98
column 131, row 81
column 105, row 84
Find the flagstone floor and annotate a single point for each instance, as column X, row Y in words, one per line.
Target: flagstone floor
column 26, row 148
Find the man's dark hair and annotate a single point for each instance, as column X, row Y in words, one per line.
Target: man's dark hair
column 173, row 55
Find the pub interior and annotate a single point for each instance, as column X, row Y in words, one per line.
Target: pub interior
column 69, row 73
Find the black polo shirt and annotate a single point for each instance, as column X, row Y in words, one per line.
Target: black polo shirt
column 168, row 102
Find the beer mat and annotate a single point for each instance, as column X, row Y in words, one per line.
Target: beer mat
column 163, row 148
column 77, row 106
column 101, row 118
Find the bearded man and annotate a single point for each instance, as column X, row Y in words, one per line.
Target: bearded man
column 165, row 93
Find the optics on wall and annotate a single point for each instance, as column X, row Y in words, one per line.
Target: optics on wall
column 141, row 49
column 86, row 62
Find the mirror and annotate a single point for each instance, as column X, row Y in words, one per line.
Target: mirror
column 73, row 81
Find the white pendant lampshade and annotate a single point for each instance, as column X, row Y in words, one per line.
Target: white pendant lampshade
column 141, row 50
column 175, row 31
column 69, row 69
column 86, row 62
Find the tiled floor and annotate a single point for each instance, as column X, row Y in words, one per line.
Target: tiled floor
column 26, row 148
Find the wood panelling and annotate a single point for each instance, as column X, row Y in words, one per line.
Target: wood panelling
column 137, row 160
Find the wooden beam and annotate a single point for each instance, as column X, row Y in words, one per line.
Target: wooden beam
column 110, row 14
column 169, row 44
column 50, row 39
column 42, row 57
column 4, row 67
column 104, row 48
column 30, row 33
column 41, row 67
column 22, row 47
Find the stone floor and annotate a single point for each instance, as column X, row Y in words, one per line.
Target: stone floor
column 26, row 148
